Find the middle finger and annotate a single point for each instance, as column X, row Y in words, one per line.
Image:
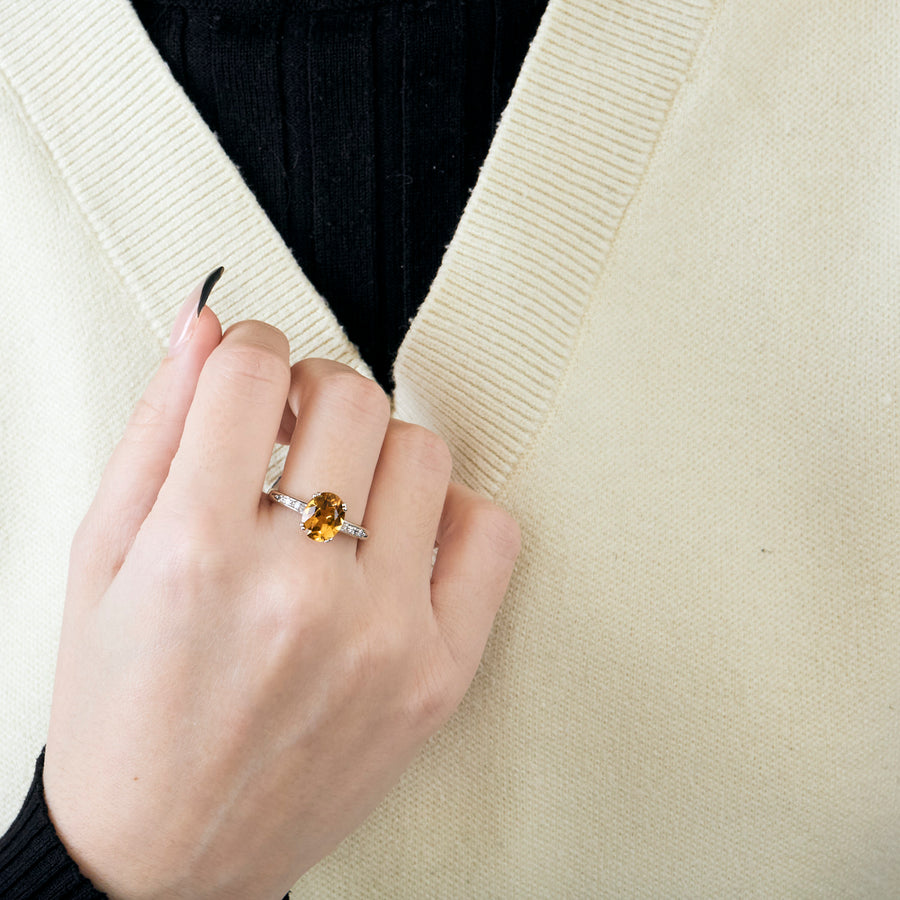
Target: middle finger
column 342, row 418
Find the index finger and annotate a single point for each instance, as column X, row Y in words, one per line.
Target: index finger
column 232, row 424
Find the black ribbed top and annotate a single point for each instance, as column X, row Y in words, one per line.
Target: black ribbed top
column 34, row 863
column 360, row 126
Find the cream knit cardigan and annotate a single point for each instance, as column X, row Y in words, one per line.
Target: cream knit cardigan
column 665, row 336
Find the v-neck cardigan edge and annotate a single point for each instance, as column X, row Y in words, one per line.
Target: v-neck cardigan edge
column 536, row 230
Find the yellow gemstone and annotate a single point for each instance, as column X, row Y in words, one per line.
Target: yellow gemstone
column 323, row 516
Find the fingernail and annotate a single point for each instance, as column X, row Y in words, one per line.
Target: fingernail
column 186, row 320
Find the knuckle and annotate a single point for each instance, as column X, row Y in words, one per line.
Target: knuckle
column 195, row 562
column 425, row 449
column 254, row 331
column 254, row 366
column 148, row 413
column 146, row 426
column 84, row 544
column 431, row 699
column 377, row 650
column 501, row 531
column 193, row 540
column 279, row 619
column 353, row 394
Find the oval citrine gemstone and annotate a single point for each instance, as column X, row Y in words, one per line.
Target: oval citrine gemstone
column 323, row 516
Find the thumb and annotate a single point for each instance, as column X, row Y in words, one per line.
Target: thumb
column 478, row 543
column 140, row 462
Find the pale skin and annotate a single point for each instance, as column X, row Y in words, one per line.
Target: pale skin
column 232, row 699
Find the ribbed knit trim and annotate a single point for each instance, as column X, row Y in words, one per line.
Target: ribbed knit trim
column 34, row 863
column 483, row 360
column 238, row 9
column 122, row 132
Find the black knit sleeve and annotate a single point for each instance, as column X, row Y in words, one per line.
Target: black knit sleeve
column 34, row 864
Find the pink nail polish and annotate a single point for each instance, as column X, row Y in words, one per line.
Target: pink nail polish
column 186, row 320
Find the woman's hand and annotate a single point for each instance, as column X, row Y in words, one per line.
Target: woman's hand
column 232, row 698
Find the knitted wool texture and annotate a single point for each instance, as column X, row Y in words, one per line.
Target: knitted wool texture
column 665, row 336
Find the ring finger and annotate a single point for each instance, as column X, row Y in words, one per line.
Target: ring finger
column 341, row 420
